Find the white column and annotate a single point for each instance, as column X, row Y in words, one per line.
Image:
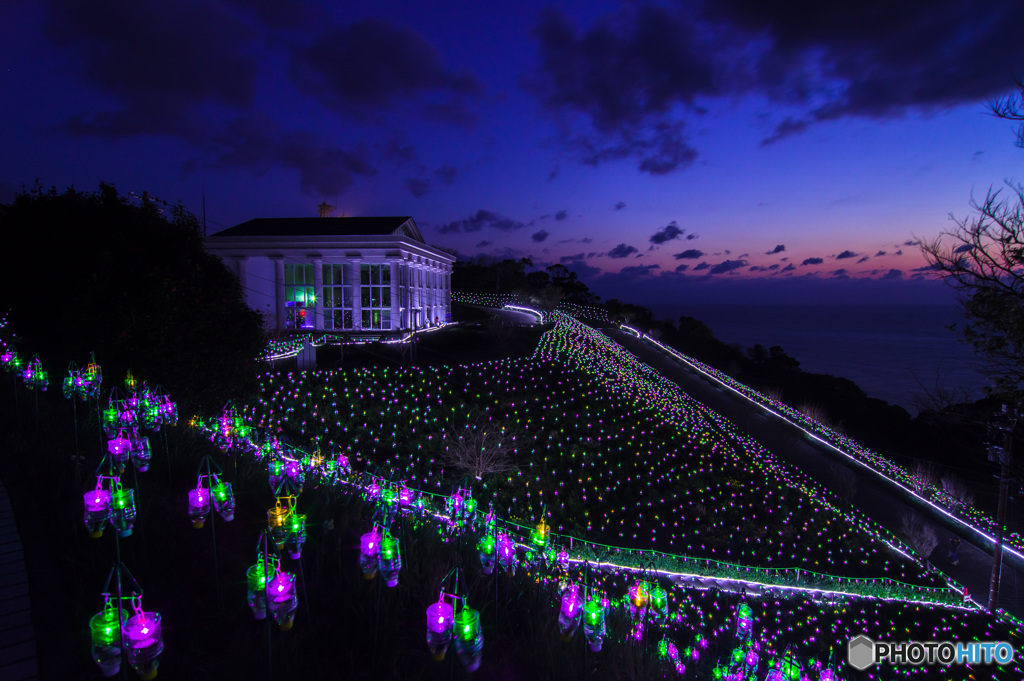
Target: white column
column 395, row 320
column 318, row 294
column 278, row 291
column 357, row 315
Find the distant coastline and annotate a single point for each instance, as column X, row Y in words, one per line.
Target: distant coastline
column 893, row 352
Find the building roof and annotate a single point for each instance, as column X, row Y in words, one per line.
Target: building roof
column 291, row 227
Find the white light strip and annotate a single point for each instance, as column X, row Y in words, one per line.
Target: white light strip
column 828, row 444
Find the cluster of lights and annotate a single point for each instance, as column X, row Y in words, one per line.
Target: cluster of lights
column 83, row 383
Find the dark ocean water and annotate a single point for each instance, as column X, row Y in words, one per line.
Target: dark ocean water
column 894, row 353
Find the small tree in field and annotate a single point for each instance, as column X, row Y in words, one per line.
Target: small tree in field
column 480, row 449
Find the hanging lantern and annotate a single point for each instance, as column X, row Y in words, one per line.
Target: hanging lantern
column 786, row 668
column 373, row 491
column 275, row 473
column 122, row 510
column 168, row 410
column 539, row 536
column 293, row 470
column 506, row 553
column 486, row 551
column 405, row 496
column 593, row 623
column 469, row 638
column 144, row 643
column 562, row 560
column 120, row 450
column 296, row 535
column 141, row 453
column 744, row 622
column 256, row 581
column 828, row 675
column 369, row 548
column 223, row 500
column 277, row 521
column 571, row 611
column 440, row 623
column 97, row 510
column 198, row 506
column 389, row 560
column 283, row 599
column 639, row 597
column 659, row 603
column 106, row 639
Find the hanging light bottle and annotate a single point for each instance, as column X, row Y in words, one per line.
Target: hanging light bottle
column 283, row 599
column 141, row 452
column 485, row 548
column 659, row 604
column 198, row 505
column 122, row 509
column 744, row 622
column 570, row 612
column 593, row 623
column 440, row 625
column 507, row 553
column 256, row 582
column 144, row 643
column 639, row 598
column 369, row 548
column 389, row 560
column 223, row 499
column 469, row 638
column 277, row 521
column 119, row 448
column 296, row 534
column 105, row 631
column 97, row 509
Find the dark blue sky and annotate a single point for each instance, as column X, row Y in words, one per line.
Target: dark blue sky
column 690, row 150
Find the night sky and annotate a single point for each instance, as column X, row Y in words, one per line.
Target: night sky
column 699, row 152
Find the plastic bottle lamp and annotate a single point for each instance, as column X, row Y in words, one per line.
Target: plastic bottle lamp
column 283, row 599
column 256, row 581
column 486, row 549
column 506, row 553
column 277, row 518
column 97, row 509
column 296, row 535
column 440, row 622
column 369, row 548
column 389, row 560
column 659, row 603
column 223, row 500
column 106, row 640
column 141, row 453
column 122, row 511
column 570, row 612
column 469, row 638
column 120, row 449
column 144, row 643
column 744, row 622
column 198, row 506
column 593, row 623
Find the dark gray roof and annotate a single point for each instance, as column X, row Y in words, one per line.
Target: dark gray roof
column 369, row 226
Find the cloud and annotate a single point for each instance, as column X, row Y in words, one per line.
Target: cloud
column 638, row 271
column 893, row 274
column 840, row 273
column 445, row 174
column 966, row 248
column 863, row 259
column 701, row 266
column 619, row 205
column 900, row 252
column 728, row 266
column 811, row 261
column 846, row 254
column 911, row 242
column 482, row 218
column 691, row 254
column 667, row 233
column 879, row 254
column 691, row 237
column 417, row 186
column 778, row 249
column 757, row 268
column 773, row 267
column 561, row 215
column 681, row 268
column 571, row 258
column 621, row 251
column 484, row 243
column 613, row 86
column 539, row 236
column 374, row 65
column 789, row 268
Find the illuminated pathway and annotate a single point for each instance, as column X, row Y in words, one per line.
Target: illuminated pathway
column 882, row 502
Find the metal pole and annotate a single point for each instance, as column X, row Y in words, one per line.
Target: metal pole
column 1004, row 490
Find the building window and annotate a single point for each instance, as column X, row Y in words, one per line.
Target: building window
column 375, row 296
column 298, row 296
column 336, row 297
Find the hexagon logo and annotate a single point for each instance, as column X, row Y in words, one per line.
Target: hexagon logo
column 861, row 653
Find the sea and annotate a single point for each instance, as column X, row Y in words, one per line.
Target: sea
column 897, row 353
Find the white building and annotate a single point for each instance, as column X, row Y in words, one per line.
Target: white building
column 338, row 274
